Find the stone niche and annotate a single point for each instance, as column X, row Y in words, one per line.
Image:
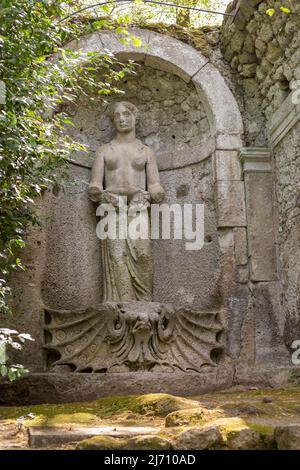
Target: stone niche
column 173, row 122
column 202, row 306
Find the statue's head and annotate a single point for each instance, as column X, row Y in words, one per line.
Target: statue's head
column 123, row 114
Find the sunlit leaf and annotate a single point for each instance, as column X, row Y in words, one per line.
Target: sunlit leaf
column 270, row 11
column 285, row 10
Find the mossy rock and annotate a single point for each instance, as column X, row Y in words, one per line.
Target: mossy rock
column 92, row 413
column 203, row 438
column 134, row 443
column 102, row 443
column 237, row 434
column 190, row 417
column 89, row 413
column 161, row 404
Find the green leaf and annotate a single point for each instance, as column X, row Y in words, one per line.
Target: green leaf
column 3, row 357
column 11, row 375
column 137, row 42
column 285, row 10
column 270, row 12
column 3, row 370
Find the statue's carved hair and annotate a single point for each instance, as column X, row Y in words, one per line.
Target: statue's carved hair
column 131, row 107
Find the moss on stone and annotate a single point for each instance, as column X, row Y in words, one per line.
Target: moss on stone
column 193, row 416
column 102, row 443
column 60, row 414
column 195, row 37
column 161, row 404
column 262, row 428
column 202, row 39
column 229, row 426
column 135, row 443
column 246, row 417
column 91, row 413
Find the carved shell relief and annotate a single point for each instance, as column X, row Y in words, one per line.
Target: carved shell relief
column 132, row 336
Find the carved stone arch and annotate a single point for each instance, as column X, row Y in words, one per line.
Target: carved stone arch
column 171, row 55
column 226, row 126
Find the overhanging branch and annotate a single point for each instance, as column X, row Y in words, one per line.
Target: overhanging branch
column 153, row 2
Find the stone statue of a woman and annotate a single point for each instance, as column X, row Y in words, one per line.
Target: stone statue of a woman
column 125, row 167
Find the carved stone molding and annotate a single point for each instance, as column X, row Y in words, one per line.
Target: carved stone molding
column 255, row 159
column 284, row 119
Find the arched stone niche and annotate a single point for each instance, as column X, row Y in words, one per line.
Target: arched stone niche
column 63, row 256
column 190, row 118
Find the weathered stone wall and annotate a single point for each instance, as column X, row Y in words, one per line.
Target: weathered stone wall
column 171, row 117
column 265, row 53
column 287, row 184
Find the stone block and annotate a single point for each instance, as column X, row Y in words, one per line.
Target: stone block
column 242, row 276
column 218, row 101
column 231, row 204
column 240, row 246
column 261, row 238
column 227, row 166
column 228, row 141
column 44, row 436
column 69, row 387
column 169, row 54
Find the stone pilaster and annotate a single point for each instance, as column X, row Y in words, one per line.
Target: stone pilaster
column 257, row 172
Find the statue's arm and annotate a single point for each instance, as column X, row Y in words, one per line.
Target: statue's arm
column 97, row 176
column 153, row 184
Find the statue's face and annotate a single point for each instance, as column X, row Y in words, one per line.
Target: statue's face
column 124, row 119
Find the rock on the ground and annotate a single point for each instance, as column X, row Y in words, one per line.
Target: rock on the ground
column 161, row 404
column 190, row 417
column 244, row 439
column 237, row 434
column 102, row 443
column 288, row 437
column 199, row 439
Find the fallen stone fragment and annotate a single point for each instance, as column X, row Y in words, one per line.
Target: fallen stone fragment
column 42, row 436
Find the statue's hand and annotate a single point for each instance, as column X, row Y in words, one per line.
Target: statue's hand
column 95, row 193
column 157, row 193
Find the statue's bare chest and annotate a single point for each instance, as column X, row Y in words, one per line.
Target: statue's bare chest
column 125, row 156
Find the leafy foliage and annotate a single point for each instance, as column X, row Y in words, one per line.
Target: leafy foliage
column 33, row 143
column 139, row 12
column 15, row 340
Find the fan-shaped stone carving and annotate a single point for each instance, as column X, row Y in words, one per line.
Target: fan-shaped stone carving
column 133, row 336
